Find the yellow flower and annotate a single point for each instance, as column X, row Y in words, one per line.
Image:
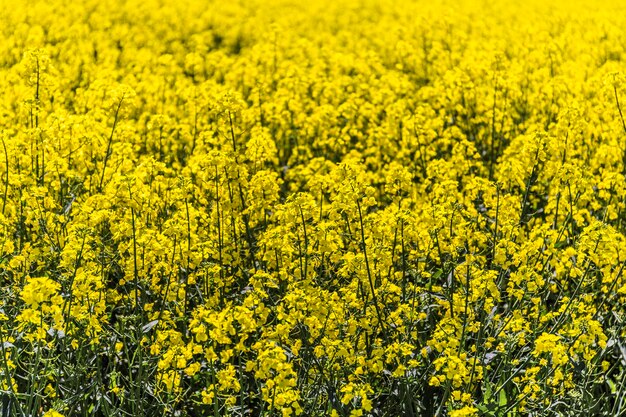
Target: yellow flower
column 52, row 413
column 467, row 411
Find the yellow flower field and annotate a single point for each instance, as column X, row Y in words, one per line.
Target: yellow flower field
column 319, row 208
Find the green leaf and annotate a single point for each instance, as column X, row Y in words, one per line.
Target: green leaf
column 502, row 401
column 488, row 391
column 147, row 327
column 612, row 385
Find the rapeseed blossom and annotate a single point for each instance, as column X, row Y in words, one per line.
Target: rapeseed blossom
column 354, row 208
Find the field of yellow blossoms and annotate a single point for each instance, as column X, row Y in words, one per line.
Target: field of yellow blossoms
column 320, row 208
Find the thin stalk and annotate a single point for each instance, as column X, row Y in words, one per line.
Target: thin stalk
column 6, row 179
column 367, row 267
column 107, row 155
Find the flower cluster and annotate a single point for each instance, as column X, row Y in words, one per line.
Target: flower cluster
column 355, row 208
